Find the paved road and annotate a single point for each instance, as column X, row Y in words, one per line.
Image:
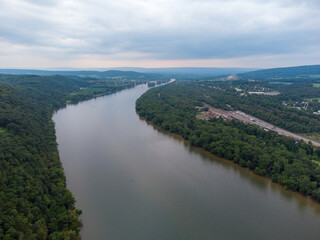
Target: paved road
column 241, row 116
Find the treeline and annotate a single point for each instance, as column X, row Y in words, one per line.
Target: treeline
column 267, row 108
column 34, row 200
column 294, row 165
column 282, row 73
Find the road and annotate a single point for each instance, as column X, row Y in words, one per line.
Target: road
column 246, row 118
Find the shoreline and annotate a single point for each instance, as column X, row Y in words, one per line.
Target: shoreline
column 247, row 171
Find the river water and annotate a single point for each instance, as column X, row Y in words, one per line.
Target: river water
column 134, row 182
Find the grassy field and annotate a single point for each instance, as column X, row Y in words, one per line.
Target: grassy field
column 312, row 99
column 316, row 162
column 284, row 83
column 316, row 85
column 312, row 136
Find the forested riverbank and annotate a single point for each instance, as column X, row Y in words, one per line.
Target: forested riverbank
column 34, row 200
column 174, row 108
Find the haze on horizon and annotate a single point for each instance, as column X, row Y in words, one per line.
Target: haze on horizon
column 159, row 33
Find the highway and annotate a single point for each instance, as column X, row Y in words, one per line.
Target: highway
column 246, row 118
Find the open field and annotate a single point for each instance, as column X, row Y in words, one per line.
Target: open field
column 284, row 83
column 274, row 93
column 316, row 85
column 312, row 99
column 312, row 136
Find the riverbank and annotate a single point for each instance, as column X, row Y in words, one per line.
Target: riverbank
column 293, row 165
column 302, row 198
column 35, row 201
column 126, row 173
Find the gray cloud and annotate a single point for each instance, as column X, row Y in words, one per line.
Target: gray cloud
column 161, row 29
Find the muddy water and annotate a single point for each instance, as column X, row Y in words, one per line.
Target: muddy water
column 134, row 182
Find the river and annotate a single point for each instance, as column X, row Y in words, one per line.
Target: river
column 134, row 182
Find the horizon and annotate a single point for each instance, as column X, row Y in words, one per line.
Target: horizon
column 119, row 68
column 126, row 68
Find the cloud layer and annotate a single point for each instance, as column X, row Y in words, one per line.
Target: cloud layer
column 56, row 31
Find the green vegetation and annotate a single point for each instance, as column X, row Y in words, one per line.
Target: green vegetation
column 285, row 83
column 174, row 108
column 97, row 88
column 312, row 99
column 109, row 75
column 34, row 201
column 288, row 110
column 299, row 73
column 312, row 136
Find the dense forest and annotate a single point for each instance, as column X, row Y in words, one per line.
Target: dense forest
column 174, row 107
column 301, row 72
column 34, row 201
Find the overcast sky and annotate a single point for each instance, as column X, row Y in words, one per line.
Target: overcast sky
column 159, row 33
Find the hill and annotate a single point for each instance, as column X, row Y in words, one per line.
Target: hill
column 135, row 73
column 189, row 72
column 311, row 71
column 122, row 75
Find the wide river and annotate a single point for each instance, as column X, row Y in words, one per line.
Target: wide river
column 134, row 182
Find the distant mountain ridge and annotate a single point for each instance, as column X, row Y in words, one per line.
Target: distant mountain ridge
column 190, row 72
column 180, row 72
column 285, row 72
column 95, row 74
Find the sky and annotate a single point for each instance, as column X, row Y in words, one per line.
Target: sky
column 44, row 34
